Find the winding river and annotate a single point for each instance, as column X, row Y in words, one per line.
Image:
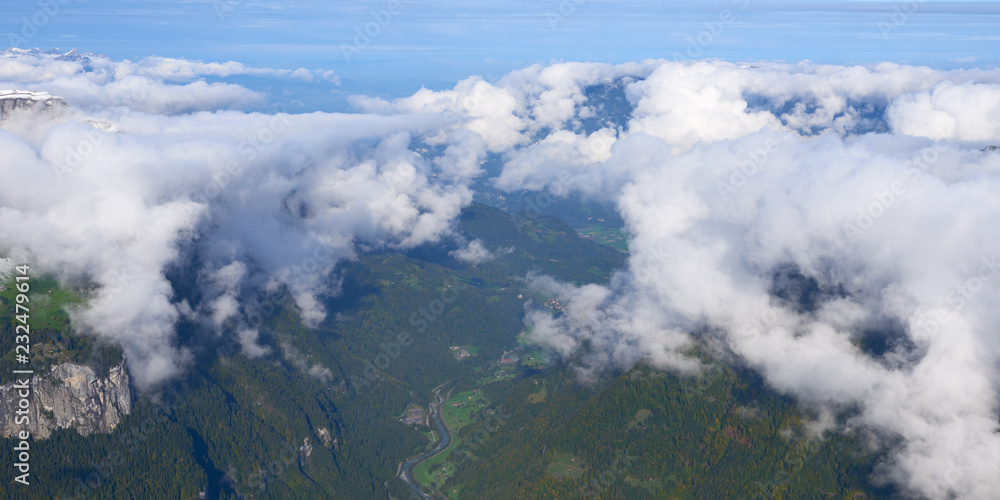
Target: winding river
column 406, row 470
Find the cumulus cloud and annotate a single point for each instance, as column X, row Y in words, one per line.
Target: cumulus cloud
column 473, row 253
column 827, row 226
column 965, row 112
column 490, row 111
column 252, row 202
column 249, row 343
column 511, row 111
column 153, row 84
column 172, row 69
column 226, row 283
column 705, row 262
column 302, row 362
column 853, row 270
column 689, row 103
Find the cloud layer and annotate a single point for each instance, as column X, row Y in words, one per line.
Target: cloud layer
column 827, row 226
column 154, row 84
column 115, row 197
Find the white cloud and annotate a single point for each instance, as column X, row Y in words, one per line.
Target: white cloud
column 689, row 103
column 262, row 201
column 154, row 84
column 561, row 156
column 488, row 110
column 966, row 112
column 507, row 113
column 724, row 174
column 302, row 74
column 718, row 196
column 248, row 339
column 226, row 283
column 473, row 253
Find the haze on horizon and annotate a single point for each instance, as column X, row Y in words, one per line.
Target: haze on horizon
column 445, row 41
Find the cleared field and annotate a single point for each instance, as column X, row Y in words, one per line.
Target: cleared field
column 539, row 397
column 457, row 412
column 639, row 419
column 46, row 304
column 606, row 236
column 565, row 465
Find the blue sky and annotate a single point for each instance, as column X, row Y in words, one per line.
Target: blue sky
column 443, row 41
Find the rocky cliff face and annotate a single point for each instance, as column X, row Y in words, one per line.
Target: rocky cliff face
column 12, row 101
column 70, row 397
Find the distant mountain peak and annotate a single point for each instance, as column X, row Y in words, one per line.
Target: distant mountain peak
column 71, row 55
column 26, row 94
column 14, row 100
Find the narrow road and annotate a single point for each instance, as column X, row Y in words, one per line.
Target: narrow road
column 409, row 465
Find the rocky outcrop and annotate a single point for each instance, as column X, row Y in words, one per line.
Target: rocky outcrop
column 324, row 436
column 69, row 397
column 13, row 101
